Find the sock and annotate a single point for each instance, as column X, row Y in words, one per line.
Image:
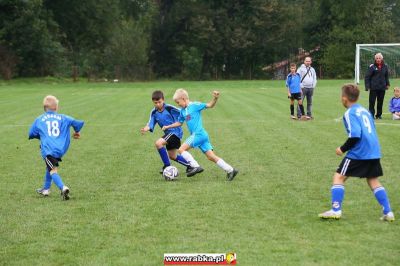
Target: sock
column 301, row 109
column 47, row 180
column 181, row 160
column 227, row 168
column 382, row 198
column 292, row 109
column 164, row 156
column 57, row 180
column 189, row 158
column 337, row 197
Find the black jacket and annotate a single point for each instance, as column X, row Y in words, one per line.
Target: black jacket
column 376, row 79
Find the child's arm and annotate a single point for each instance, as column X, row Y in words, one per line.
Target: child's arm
column 33, row 132
column 176, row 124
column 214, row 100
column 145, row 129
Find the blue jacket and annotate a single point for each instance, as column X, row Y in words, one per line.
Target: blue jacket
column 293, row 82
column 394, row 105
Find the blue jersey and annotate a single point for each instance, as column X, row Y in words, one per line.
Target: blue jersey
column 293, row 82
column 192, row 115
column 53, row 131
column 360, row 124
column 167, row 116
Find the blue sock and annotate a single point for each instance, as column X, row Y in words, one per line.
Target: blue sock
column 337, row 197
column 181, row 160
column 57, row 180
column 164, row 156
column 382, row 198
column 47, row 180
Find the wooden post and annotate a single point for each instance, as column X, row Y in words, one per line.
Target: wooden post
column 75, row 73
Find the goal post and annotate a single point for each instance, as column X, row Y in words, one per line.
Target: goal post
column 365, row 56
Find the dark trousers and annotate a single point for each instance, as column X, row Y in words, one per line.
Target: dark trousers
column 373, row 96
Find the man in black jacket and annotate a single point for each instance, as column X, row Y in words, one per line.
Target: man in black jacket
column 377, row 82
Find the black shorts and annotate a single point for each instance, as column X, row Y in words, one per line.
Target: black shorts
column 295, row 96
column 51, row 162
column 173, row 142
column 360, row 168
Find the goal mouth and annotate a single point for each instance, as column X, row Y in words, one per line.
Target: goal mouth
column 365, row 57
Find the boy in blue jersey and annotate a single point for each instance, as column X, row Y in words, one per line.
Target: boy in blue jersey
column 362, row 158
column 191, row 113
column 394, row 104
column 165, row 114
column 53, row 131
column 293, row 82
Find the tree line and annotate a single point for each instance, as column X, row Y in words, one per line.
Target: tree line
column 186, row 39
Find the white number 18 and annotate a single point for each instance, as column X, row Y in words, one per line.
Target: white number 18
column 53, row 128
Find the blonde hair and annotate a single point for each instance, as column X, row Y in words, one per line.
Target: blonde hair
column 396, row 89
column 180, row 93
column 50, row 102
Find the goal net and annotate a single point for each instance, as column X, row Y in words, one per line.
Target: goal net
column 365, row 57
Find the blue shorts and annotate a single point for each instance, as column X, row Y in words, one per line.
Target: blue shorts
column 200, row 141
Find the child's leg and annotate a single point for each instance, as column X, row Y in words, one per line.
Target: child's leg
column 301, row 107
column 183, row 150
column 47, row 180
column 396, row 117
column 160, row 143
column 291, row 107
column 380, row 194
column 56, row 178
column 177, row 157
column 337, row 191
column 219, row 161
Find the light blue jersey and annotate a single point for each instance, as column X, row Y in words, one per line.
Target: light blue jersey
column 198, row 135
column 53, row 131
column 360, row 124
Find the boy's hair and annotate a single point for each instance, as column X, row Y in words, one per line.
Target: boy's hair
column 157, row 95
column 293, row 65
column 50, row 102
column 180, row 93
column 396, row 89
column 351, row 92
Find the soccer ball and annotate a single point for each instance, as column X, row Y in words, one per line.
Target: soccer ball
column 170, row 173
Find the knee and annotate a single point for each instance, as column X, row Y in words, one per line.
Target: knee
column 53, row 171
column 159, row 144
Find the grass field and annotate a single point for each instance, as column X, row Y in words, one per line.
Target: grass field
column 122, row 212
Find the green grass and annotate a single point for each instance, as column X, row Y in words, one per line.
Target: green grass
column 123, row 213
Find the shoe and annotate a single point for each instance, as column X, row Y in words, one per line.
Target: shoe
column 162, row 169
column 304, row 118
column 230, row 176
column 293, row 117
column 194, row 170
column 331, row 214
column 378, row 117
column 189, row 168
column 389, row 217
column 43, row 192
column 64, row 193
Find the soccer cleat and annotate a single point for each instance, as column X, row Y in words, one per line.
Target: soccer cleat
column 64, row 193
column 389, row 217
column 43, row 192
column 293, row 117
column 194, row 170
column 378, row 117
column 331, row 214
column 304, row 118
column 188, row 169
column 230, row 176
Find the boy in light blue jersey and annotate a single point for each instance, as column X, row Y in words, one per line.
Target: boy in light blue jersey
column 191, row 113
column 293, row 82
column 363, row 155
column 53, row 131
column 165, row 114
column 394, row 104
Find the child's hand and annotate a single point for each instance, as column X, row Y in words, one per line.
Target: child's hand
column 216, row 94
column 164, row 128
column 77, row 135
column 339, row 151
column 144, row 130
column 289, row 94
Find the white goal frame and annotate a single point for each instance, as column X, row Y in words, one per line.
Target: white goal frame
column 357, row 60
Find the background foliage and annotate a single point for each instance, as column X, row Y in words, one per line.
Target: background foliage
column 190, row 39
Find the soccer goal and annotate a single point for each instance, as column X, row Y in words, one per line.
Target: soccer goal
column 365, row 57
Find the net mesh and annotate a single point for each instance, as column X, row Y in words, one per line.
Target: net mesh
column 391, row 56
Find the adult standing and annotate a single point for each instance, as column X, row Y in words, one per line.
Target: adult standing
column 377, row 82
column 308, row 83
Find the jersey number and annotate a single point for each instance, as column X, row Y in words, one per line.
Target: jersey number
column 367, row 124
column 53, row 128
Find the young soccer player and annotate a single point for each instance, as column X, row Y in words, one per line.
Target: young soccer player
column 191, row 113
column 53, row 131
column 293, row 82
column 363, row 155
column 394, row 104
column 165, row 114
